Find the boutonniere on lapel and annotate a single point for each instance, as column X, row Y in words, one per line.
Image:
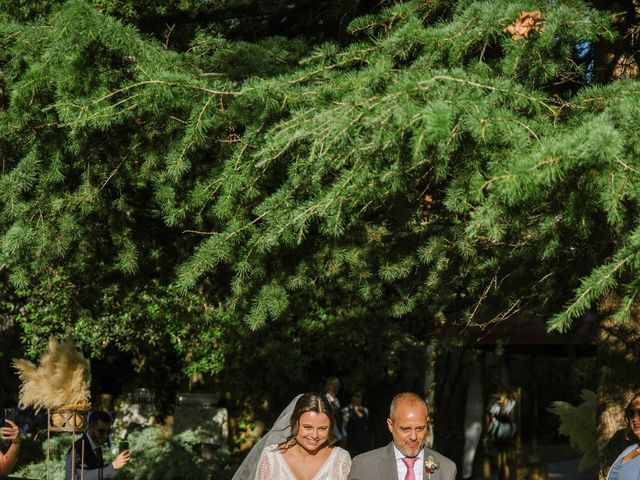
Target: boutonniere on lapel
column 430, row 466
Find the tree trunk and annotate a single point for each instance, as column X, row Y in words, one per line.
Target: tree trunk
column 618, row 380
column 620, row 58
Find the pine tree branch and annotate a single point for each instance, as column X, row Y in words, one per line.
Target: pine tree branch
column 490, row 88
column 574, row 307
column 493, row 283
column 165, row 83
column 198, row 232
column 194, row 129
column 115, row 170
column 538, row 165
column 327, row 68
column 626, row 166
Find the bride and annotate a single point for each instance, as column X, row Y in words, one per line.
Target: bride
column 299, row 446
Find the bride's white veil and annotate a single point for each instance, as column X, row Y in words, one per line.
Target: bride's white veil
column 278, row 434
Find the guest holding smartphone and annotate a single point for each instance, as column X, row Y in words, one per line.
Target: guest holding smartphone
column 8, row 459
column 84, row 460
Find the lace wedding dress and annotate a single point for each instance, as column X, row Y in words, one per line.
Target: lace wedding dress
column 272, row 466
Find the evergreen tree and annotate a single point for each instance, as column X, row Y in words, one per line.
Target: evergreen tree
column 452, row 155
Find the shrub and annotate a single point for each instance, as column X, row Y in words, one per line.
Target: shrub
column 153, row 456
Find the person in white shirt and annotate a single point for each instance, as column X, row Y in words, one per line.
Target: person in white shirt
column 406, row 457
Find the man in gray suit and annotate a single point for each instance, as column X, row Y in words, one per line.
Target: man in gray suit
column 406, row 457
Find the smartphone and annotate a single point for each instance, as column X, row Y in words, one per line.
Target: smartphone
column 123, row 446
column 8, row 413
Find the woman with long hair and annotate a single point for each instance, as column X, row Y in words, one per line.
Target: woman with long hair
column 299, row 447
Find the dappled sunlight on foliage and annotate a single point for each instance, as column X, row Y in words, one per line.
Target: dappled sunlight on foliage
column 153, row 456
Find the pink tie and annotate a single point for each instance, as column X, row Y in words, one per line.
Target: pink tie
column 409, row 461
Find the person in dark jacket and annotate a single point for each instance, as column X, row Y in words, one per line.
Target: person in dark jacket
column 355, row 424
column 84, row 459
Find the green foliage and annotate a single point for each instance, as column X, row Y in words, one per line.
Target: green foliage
column 175, row 24
column 27, row 9
column 579, row 424
column 175, row 457
column 153, row 455
column 431, row 164
column 34, row 464
column 575, row 187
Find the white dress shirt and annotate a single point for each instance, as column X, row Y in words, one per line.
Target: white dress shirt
column 418, row 467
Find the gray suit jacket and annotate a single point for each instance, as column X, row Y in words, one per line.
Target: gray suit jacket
column 380, row 464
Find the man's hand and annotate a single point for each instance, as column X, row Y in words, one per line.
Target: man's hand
column 121, row 460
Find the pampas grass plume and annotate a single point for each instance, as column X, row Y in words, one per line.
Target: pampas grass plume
column 62, row 378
